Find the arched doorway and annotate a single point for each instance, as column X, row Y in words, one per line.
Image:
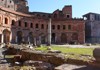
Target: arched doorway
column 30, row 37
column 43, row 41
column 19, row 37
column 75, row 37
column 6, row 36
column 53, row 38
column 63, row 38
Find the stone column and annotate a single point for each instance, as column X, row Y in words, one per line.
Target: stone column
column 2, row 38
column 49, row 33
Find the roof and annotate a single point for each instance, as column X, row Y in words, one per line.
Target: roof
column 90, row 13
column 14, row 12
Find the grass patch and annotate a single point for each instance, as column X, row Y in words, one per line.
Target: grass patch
column 85, row 51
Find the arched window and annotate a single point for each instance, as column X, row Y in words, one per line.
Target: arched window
column 69, row 27
column 31, row 25
column 6, row 20
column 38, row 15
column 68, row 16
column 13, row 22
column 58, row 27
column 53, row 27
column 64, row 27
column 55, row 15
column 44, row 16
column 26, row 24
column 42, row 26
column 19, row 23
column 37, row 26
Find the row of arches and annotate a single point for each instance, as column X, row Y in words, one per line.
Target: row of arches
column 5, row 36
column 64, row 38
column 6, row 21
column 30, row 38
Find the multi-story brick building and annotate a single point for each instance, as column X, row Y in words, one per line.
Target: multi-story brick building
column 92, row 25
column 18, row 25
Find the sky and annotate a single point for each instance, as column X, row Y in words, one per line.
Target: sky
column 79, row 7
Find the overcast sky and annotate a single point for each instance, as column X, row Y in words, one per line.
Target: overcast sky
column 80, row 7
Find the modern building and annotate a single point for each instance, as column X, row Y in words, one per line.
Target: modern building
column 92, row 32
column 18, row 25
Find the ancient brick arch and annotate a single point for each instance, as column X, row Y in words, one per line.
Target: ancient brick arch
column 19, row 37
column 13, row 22
column 63, row 38
column 53, row 38
column 30, row 37
column 75, row 36
column 6, row 36
column 6, row 20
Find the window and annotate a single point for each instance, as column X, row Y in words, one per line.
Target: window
column 13, row 22
column 8, row 6
column 42, row 26
column 31, row 25
column 10, row 1
column 6, row 20
column 68, row 16
column 38, row 15
column 69, row 27
column 44, row 16
column 58, row 27
column 55, row 15
column 19, row 23
column 53, row 26
column 25, row 24
column 36, row 26
column 64, row 27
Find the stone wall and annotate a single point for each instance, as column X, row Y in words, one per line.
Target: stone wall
column 53, row 58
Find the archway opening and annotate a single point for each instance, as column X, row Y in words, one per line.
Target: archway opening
column 30, row 37
column 19, row 37
column 53, row 38
column 74, row 38
column 63, row 38
column 6, row 36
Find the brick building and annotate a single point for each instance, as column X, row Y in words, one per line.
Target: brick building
column 18, row 25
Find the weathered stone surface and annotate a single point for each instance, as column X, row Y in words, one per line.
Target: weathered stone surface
column 54, row 51
column 96, row 54
column 76, row 61
column 39, row 65
column 74, row 67
column 53, row 58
